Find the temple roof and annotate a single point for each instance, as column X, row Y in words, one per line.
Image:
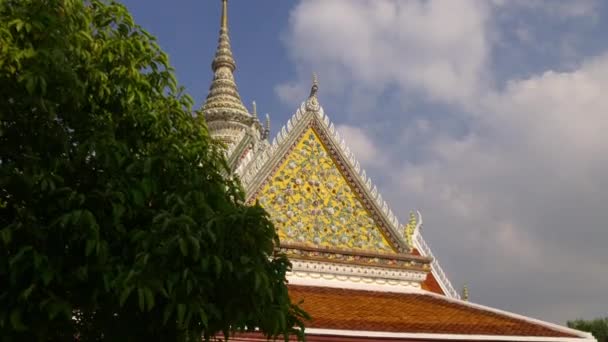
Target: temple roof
column 361, row 315
column 346, row 309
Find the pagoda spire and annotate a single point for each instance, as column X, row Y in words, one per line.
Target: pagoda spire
column 226, row 116
column 223, row 93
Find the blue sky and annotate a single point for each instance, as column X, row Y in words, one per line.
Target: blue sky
column 488, row 116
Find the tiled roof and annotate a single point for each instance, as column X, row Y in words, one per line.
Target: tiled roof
column 431, row 284
column 346, row 309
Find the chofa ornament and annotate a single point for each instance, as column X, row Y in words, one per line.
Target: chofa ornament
column 410, row 229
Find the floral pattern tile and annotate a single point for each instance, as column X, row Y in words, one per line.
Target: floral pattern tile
column 311, row 203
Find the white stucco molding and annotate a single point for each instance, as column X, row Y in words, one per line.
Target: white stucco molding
column 327, row 274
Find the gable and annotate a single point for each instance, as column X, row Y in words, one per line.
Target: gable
column 311, row 202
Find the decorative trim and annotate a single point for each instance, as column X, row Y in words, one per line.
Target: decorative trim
column 355, row 283
column 442, row 337
column 399, row 261
column 345, row 275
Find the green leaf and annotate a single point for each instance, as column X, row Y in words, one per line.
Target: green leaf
column 6, row 235
column 30, row 84
column 196, row 247
column 90, row 247
column 138, row 198
column 181, row 312
column 183, row 246
column 47, row 275
column 57, row 307
column 256, row 281
column 15, row 319
column 149, row 298
column 167, row 313
column 147, row 166
column 218, row 265
column 27, row 292
column 125, row 294
column 42, row 85
column 203, row 317
column 19, row 255
column 141, row 299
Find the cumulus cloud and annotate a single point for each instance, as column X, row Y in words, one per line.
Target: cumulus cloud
column 366, row 151
column 513, row 199
column 372, row 42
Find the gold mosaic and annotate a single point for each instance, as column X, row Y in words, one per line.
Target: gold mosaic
column 311, row 203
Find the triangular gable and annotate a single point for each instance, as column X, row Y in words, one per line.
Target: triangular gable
column 264, row 164
column 311, row 202
column 264, row 170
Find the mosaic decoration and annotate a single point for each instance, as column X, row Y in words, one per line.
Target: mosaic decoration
column 311, row 203
column 354, row 258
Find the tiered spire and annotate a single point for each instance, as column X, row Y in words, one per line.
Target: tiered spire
column 223, row 93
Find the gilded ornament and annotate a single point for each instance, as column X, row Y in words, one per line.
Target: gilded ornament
column 409, row 230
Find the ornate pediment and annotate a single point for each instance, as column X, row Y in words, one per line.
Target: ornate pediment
column 270, row 176
column 311, row 202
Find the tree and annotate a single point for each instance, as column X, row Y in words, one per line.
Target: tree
column 598, row 327
column 116, row 220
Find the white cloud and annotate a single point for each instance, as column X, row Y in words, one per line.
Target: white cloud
column 291, row 93
column 361, row 145
column 372, row 41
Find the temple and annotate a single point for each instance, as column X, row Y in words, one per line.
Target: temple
column 360, row 273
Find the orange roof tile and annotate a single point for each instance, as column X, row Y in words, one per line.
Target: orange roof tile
column 346, row 309
column 431, row 284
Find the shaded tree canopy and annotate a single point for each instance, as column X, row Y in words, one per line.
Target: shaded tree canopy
column 116, row 220
column 598, row 327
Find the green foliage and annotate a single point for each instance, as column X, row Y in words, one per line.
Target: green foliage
column 598, row 327
column 115, row 220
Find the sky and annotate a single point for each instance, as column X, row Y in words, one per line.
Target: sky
column 488, row 116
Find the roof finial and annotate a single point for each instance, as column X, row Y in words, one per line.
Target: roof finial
column 312, row 104
column 267, row 126
column 223, row 53
column 465, row 293
column 224, row 21
column 223, row 94
column 254, row 110
column 315, row 85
